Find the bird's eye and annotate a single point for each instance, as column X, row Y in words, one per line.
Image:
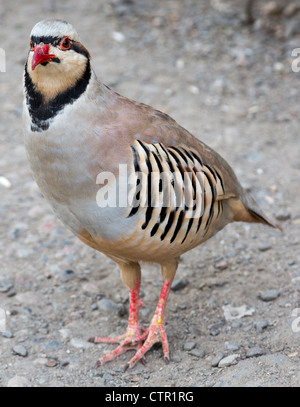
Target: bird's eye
column 65, row 43
column 31, row 45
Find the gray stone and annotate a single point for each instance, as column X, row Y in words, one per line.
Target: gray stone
column 80, row 343
column 221, row 265
column 261, row 325
column 7, row 334
column 283, row 215
column 5, row 285
column 269, row 295
column 199, row 353
column 179, row 284
column 189, row 345
column 233, row 347
column 264, row 247
column 229, row 360
column 108, row 305
column 67, row 275
column 20, row 350
column 18, row 381
column 254, row 352
column 219, row 356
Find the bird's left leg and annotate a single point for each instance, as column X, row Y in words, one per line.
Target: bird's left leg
column 131, row 339
column 156, row 331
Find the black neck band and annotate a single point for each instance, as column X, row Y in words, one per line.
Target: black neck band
column 42, row 112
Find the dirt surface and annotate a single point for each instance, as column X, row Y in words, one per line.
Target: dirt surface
column 233, row 87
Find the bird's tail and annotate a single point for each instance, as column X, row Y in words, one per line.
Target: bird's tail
column 247, row 210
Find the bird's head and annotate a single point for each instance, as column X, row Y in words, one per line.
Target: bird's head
column 57, row 60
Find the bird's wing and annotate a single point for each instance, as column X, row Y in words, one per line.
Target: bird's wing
column 175, row 195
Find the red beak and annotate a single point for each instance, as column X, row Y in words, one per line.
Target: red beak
column 40, row 55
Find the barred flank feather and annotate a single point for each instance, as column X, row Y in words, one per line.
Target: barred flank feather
column 182, row 193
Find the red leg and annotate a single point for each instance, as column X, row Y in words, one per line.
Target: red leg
column 133, row 338
column 156, row 331
column 133, row 335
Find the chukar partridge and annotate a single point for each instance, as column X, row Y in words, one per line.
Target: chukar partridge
column 124, row 177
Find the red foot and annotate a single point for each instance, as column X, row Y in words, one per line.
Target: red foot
column 134, row 337
column 156, row 333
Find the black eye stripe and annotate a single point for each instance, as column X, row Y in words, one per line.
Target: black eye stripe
column 49, row 40
column 55, row 41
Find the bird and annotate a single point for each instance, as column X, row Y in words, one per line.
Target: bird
column 124, row 177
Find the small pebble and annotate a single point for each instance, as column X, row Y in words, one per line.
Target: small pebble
column 214, row 331
column 283, row 215
column 221, row 265
column 254, row 352
column 122, row 310
column 5, row 286
column 199, row 353
column 18, row 381
column 79, row 343
column 215, row 362
column 7, row 334
column 193, row 89
column 108, row 377
column 20, row 350
column 67, row 275
column 13, row 312
column 229, row 360
column 261, row 325
column 11, row 292
column 264, row 247
column 233, row 347
column 179, row 284
column 108, row 305
column 118, row 36
column 189, row 346
column 176, row 358
column 51, row 363
column 269, row 295
column 5, row 182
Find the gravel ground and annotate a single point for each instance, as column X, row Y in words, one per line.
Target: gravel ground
column 233, row 314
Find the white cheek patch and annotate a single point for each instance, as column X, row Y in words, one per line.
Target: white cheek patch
column 57, row 76
column 71, row 62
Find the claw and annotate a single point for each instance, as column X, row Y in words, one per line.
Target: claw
column 97, row 364
column 156, row 334
column 143, row 361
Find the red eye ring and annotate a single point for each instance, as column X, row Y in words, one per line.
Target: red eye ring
column 65, row 43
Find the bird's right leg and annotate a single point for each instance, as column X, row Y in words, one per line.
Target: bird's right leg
column 134, row 335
